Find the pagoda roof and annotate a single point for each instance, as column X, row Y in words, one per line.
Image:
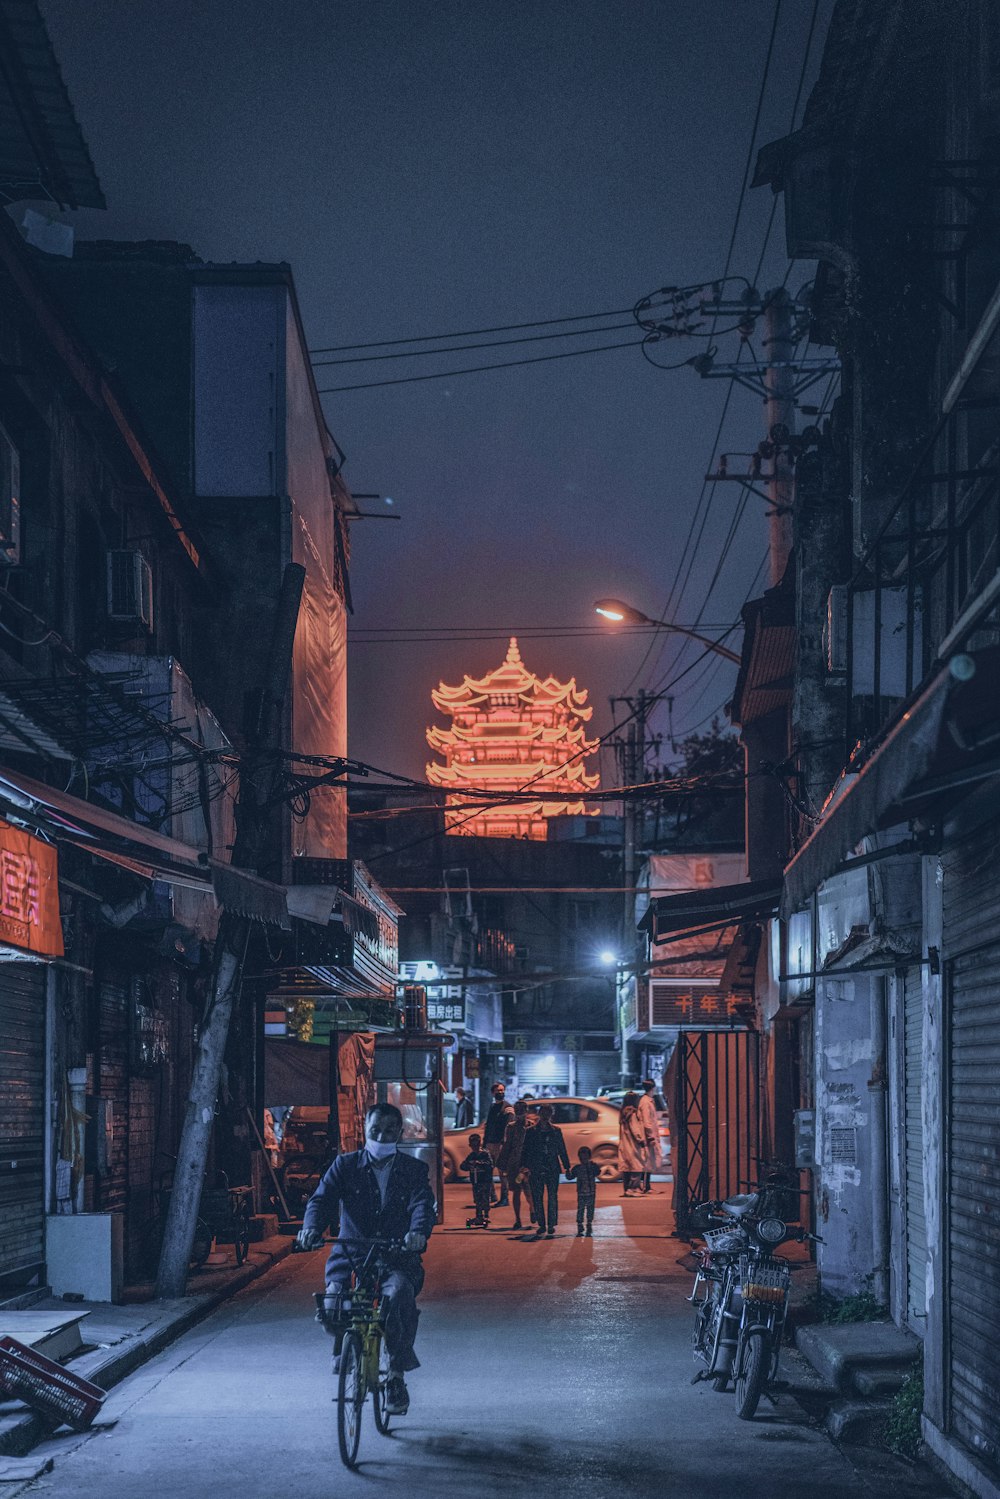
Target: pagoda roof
column 512, row 678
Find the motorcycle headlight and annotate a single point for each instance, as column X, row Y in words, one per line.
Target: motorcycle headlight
column 771, row 1230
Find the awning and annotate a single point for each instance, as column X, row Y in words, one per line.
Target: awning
column 295, row 1073
column 710, row 909
column 139, row 849
column 940, row 746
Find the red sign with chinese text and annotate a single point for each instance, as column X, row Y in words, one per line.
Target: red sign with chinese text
column 29, row 893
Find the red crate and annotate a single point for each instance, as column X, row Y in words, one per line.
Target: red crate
column 46, row 1386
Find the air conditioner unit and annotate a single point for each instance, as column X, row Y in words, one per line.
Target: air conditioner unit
column 130, row 588
column 10, row 502
column 835, row 631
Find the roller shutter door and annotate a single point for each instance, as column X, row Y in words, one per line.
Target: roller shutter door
column 596, row 1069
column 915, row 1221
column 971, row 922
column 22, row 1124
column 537, row 1069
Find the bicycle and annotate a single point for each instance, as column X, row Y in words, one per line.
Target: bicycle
column 354, row 1318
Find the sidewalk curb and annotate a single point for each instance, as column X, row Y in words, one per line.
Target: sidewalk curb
column 22, row 1430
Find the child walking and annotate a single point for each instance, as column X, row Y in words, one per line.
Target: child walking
column 479, row 1164
column 585, row 1174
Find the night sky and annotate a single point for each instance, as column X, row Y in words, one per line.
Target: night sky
column 439, row 165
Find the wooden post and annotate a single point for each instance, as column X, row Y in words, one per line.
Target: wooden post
column 259, row 777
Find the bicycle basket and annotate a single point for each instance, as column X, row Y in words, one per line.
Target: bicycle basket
column 764, row 1280
column 724, row 1240
column 333, row 1309
column 46, row 1386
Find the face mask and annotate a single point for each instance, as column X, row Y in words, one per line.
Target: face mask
column 380, row 1150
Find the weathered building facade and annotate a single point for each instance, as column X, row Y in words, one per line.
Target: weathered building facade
column 891, row 895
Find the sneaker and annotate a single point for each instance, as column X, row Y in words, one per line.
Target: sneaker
column 551, row 1234
column 579, row 1233
column 518, row 1223
column 589, row 1234
column 397, row 1397
column 538, row 1234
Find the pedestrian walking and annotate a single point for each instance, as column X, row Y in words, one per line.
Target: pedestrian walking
column 544, row 1154
column 478, row 1163
column 463, row 1109
column 510, row 1161
column 649, row 1121
column 585, row 1174
column 495, row 1125
column 631, row 1145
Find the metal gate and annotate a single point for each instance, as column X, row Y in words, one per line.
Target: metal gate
column 914, row 1217
column 971, row 922
column 715, row 1116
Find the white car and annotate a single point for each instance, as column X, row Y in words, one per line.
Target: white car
column 583, row 1121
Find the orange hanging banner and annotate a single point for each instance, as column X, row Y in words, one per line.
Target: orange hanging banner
column 29, row 893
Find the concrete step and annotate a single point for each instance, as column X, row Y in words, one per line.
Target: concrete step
column 55, row 1334
column 882, row 1380
column 263, row 1226
column 856, row 1421
column 842, row 1352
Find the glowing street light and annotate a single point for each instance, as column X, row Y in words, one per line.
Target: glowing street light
column 608, row 957
column 621, row 613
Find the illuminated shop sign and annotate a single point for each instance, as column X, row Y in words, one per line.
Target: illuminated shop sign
column 29, row 893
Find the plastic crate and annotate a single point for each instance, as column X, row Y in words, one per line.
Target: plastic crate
column 46, row 1386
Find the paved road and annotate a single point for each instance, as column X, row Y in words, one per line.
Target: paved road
column 558, row 1366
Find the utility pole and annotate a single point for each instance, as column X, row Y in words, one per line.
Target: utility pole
column 779, row 405
column 260, row 770
column 632, row 759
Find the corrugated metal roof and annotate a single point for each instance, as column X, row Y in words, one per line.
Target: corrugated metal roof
column 43, row 154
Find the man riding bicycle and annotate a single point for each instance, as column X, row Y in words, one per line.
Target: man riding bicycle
column 379, row 1193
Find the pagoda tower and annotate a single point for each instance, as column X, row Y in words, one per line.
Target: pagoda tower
column 510, row 728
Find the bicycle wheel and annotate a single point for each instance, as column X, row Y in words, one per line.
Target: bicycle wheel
column 350, row 1398
column 382, row 1417
column 201, row 1246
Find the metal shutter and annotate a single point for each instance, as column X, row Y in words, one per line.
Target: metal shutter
column 536, row 1069
column 22, row 1123
column 596, row 1069
column 971, row 922
column 915, row 1220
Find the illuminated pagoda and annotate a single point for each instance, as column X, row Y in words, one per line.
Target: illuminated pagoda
column 510, row 728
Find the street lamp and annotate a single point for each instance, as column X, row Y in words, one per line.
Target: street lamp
column 621, row 613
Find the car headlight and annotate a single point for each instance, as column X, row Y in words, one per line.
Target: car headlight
column 771, row 1230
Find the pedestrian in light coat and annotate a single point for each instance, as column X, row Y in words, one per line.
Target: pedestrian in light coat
column 649, row 1119
column 544, row 1155
column 632, row 1152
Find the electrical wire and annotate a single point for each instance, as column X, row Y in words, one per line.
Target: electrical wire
column 500, row 343
column 478, row 369
column 423, row 338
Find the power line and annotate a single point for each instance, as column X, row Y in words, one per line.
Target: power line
column 423, row 338
column 499, row 343
column 477, row 369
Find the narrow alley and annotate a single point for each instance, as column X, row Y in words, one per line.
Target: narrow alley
column 559, row 1366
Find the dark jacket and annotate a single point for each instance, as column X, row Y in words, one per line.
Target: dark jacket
column 350, row 1188
column 544, row 1151
column 496, row 1122
column 479, row 1165
column 511, row 1157
column 463, row 1113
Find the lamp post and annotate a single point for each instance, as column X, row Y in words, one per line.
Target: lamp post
column 621, row 613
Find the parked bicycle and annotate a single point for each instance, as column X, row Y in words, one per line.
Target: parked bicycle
column 354, row 1320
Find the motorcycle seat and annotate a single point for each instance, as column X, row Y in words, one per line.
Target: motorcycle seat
column 741, row 1204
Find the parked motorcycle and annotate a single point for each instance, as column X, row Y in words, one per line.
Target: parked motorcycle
column 740, row 1293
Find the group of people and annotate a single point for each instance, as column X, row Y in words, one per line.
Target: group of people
column 527, row 1157
column 639, row 1140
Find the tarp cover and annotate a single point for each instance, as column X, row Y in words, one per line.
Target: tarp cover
column 295, row 1073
